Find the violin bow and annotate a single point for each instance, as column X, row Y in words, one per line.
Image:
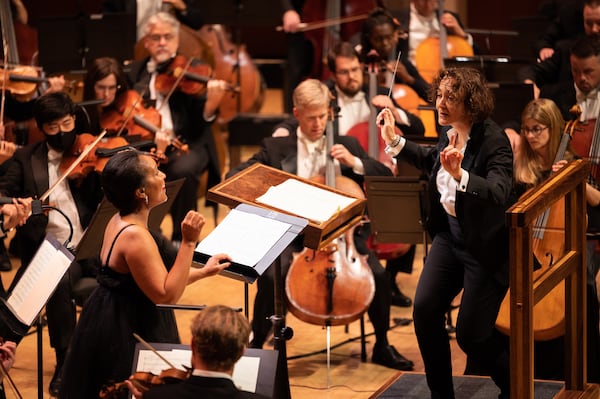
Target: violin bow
column 303, row 27
column 74, row 164
column 151, row 348
column 177, row 81
column 5, row 73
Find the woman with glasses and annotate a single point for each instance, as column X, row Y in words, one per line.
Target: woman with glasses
column 470, row 183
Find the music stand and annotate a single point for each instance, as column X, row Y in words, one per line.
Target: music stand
column 83, row 38
column 397, row 209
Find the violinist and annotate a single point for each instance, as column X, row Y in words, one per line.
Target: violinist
column 219, row 337
column 352, row 97
column 105, row 80
column 187, row 116
column 381, row 32
column 305, row 148
column 33, row 169
column 470, row 180
column 140, row 269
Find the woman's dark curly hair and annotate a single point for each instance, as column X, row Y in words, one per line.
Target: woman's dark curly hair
column 121, row 177
column 470, row 87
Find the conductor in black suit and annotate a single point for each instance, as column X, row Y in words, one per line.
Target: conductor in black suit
column 469, row 190
column 303, row 153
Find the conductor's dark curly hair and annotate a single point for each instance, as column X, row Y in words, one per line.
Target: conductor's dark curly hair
column 470, row 87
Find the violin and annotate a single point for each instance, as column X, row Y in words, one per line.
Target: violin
column 185, row 75
column 129, row 102
column 96, row 151
column 149, row 126
column 144, row 381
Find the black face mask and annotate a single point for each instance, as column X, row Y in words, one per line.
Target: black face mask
column 62, row 141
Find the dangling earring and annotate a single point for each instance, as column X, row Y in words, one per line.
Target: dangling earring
column 146, row 199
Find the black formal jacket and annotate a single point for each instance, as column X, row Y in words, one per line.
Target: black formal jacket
column 200, row 387
column 188, row 120
column 480, row 210
column 192, row 17
column 27, row 176
column 415, row 128
column 282, row 153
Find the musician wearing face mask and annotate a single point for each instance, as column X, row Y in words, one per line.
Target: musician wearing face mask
column 33, row 169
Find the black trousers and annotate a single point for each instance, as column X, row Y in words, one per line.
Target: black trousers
column 379, row 310
column 189, row 166
column 448, row 269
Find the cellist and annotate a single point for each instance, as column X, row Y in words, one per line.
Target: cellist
column 302, row 153
column 351, row 95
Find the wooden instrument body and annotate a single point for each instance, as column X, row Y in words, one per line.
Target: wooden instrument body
column 428, row 57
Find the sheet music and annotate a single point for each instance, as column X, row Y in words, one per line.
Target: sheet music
column 149, row 362
column 305, row 200
column 245, row 237
column 43, row 274
column 245, row 371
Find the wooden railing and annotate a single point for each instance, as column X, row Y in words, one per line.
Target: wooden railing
column 569, row 183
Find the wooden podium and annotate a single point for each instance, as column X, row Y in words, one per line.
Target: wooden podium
column 246, row 186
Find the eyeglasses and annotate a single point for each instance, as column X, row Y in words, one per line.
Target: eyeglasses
column 534, row 131
column 156, row 37
column 103, row 88
column 347, row 72
column 65, row 125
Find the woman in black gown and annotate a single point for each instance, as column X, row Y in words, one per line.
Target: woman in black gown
column 134, row 277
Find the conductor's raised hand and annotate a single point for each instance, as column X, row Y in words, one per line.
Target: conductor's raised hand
column 385, row 121
column 191, row 226
column 451, row 158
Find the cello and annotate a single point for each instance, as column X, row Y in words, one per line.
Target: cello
column 338, row 279
column 431, row 52
column 548, row 245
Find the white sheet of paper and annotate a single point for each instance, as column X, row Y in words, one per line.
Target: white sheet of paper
column 305, row 200
column 245, row 373
column 245, row 237
column 38, row 282
column 149, row 362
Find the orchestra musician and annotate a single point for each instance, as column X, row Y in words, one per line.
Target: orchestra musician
column 470, row 184
column 381, row 32
column 351, row 95
column 139, row 270
column 186, row 116
column 549, row 75
column 33, row 169
column 303, row 153
column 541, row 132
column 219, row 337
column 186, row 11
column 422, row 20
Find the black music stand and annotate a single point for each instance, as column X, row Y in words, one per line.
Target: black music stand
column 83, row 38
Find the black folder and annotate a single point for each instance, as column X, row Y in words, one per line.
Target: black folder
column 249, row 273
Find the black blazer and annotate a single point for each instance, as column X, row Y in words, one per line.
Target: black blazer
column 201, row 387
column 481, row 209
column 282, row 153
column 27, row 176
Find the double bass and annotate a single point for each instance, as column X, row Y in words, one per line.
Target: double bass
column 332, row 285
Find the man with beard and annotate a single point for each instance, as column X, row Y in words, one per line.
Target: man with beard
column 351, row 97
column 33, row 169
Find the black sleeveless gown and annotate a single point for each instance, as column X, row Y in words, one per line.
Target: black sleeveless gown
column 102, row 348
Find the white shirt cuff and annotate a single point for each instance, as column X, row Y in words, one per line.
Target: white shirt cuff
column 464, row 181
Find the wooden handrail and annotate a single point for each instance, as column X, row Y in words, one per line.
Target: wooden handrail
column 569, row 183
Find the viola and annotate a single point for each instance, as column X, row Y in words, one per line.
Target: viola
column 127, row 106
column 144, row 381
column 185, row 75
